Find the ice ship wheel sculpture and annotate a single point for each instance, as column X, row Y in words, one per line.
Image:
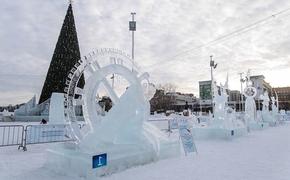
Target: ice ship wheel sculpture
column 124, row 135
column 96, row 67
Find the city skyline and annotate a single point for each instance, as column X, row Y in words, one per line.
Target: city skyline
column 174, row 40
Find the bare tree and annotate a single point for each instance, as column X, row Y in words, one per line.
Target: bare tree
column 167, row 87
column 161, row 100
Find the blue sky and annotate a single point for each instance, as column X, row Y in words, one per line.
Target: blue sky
column 165, row 28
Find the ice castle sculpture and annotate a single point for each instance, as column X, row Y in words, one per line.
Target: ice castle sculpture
column 123, row 133
column 27, row 108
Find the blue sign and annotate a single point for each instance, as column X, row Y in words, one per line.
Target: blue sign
column 99, row 160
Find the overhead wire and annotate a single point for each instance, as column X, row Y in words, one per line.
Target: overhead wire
column 224, row 37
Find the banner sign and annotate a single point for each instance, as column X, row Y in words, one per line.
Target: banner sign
column 99, row 160
column 205, row 91
column 132, row 25
column 186, row 137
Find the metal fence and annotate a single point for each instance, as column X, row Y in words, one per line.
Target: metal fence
column 39, row 134
column 21, row 136
column 11, row 135
column 161, row 123
column 165, row 124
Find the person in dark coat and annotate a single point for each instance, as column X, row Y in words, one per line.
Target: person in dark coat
column 186, row 106
column 43, row 121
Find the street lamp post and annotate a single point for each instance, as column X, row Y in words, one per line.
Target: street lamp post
column 132, row 27
column 241, row 98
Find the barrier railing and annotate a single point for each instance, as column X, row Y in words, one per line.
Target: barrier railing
column 162, row 123
column 11, row 135
column 171, row 123
column 39, row 134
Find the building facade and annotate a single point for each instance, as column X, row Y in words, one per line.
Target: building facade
column 235, row 100
column 261, row 85
column 161, row 102
column 283, row 94
column 180, row 101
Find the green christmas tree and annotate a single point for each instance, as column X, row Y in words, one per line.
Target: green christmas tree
column 65, row 55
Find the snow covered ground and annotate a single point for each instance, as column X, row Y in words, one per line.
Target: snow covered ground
column 261, row 155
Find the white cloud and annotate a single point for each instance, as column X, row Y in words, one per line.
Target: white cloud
column 165, row 28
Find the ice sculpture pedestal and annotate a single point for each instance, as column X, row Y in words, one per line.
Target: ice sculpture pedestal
column 79, row 163
column 254, row 125
column 268, row 118
column 271, row 123
column 218, row 133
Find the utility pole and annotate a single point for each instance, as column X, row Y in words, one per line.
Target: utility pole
column 113, row 61
column 213, row 65
column 132, row 27
column 200, row 107
column 241, row 98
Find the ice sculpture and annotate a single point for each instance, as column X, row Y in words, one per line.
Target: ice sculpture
column 224, row 123
column 123, row 134
column 266, row 115
column 252, row 116
column 27, row 108
column 274, row 106
column 265, row 98
column 250, row 105
column 219, row 101
column 275, row 111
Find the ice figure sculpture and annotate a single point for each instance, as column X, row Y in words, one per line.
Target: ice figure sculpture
column 265, row 98
column 266, row 115
column 275, row 111
column 250, row 105
column 274, row 105
column 252, row 116
column 123, row 133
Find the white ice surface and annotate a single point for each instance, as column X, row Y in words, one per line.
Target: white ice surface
column 261, row 155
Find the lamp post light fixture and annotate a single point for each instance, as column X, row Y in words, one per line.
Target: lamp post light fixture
column 241, row 98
